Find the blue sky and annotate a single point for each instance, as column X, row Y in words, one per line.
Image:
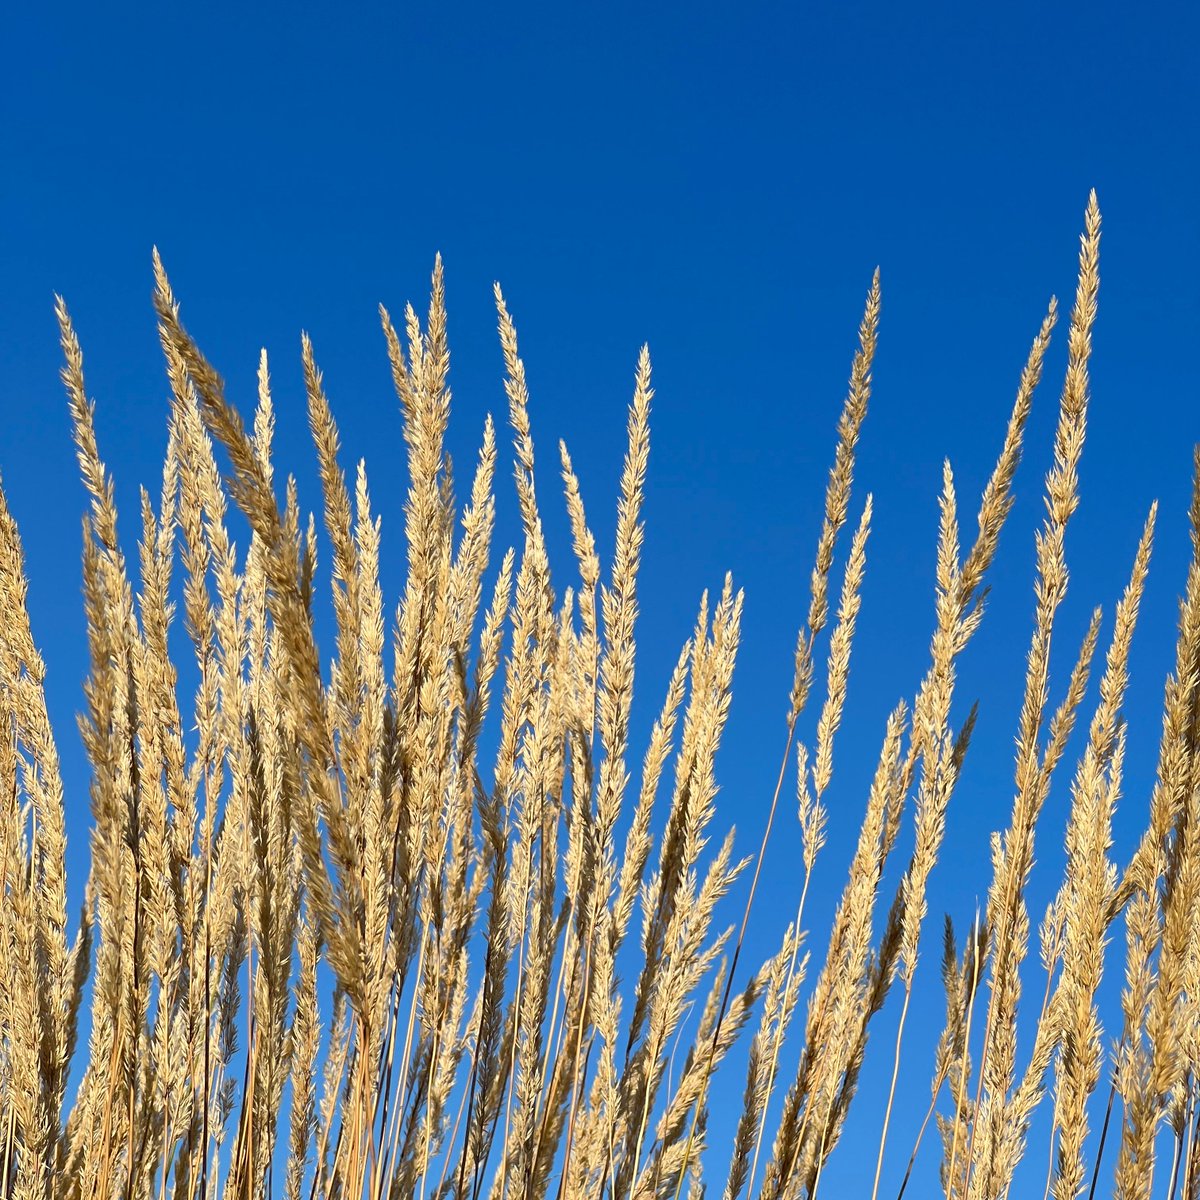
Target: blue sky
column 717, row 180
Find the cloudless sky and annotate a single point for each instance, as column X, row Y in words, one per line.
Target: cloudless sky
column 717, row 180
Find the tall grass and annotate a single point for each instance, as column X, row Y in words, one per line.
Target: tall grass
column 419, row 926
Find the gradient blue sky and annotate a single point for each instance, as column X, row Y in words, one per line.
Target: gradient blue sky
column 716, row 180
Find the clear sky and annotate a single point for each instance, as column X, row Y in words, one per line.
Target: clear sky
column 717, row 180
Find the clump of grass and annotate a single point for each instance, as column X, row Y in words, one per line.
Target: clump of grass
column 367, row 934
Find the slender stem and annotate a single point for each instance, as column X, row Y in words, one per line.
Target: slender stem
column 1112, row 1092
column 737, row 949
column 1050, row 1165
column 822, row 1155
column 963, row 1082
column 777, row 1040
column 912, row 1158
column 473, row 1081
column 1174, row 1183
column 386, row 1111
column 1191, row 1140
column 892, row 1090
column 434, row 1051
column 462, row 1104
column 323, row 1141
column 9, row 1141
column 1189, row 1162
column 405, row 1058
column 1054, row 1119
column 583, row 1016
column 168, row 1139
column 794, row 1159
column 512, row 1065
